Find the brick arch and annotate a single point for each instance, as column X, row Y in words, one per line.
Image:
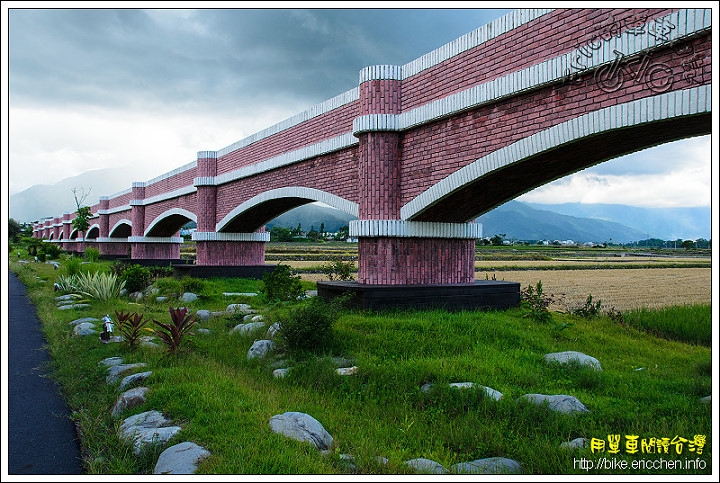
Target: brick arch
column 121, row 229
column 258, row 210
column 561, row 150
column 93, row 231
column 169, row 222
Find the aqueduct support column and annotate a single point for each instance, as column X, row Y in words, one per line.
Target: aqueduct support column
column 392, row 251
column 65, row 232
column 220, row 249
column 141, row 246
column 109, row 246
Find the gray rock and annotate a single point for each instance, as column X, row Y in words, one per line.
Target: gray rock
column 203, row 331
column 129, row 399
column 134, row 379
column 488, row 466
column 273, row 330
column 203, row 315
column 236, row 308
column 115, row 371
column 84, row 328
column 560, row 403
column 65, row 297
column 490, row 392
column 188, row 297
column 146, row 428
column 301, row 427
column 260, row 348
column 180, row 459
column 576, row 443
column 161, row 299
column 246, row 329
column 570, row 356
column 239, row 294
column 74, row 306
column 706, row 399
column 347, row 371
column 111, row 361
column 424, row 465
column 84, row 319
column 280, row 373
column 136, row 296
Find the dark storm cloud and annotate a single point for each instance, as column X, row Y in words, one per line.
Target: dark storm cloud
column 218, row 59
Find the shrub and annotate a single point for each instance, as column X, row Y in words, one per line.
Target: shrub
column 339, row 269
column 190, row 284
column 92, row 254
column 51, row 250
column 309, row 327
column 73, row 265
column 175, row 334
column 136, row 277
column 282, row 284
column 538, row 303
column 130, row 326
column 589, row 310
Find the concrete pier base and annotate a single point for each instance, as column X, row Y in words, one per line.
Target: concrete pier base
column 481, row 295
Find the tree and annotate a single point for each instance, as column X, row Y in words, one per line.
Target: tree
column 14, row 230
column 81, row 222
column 687, row 244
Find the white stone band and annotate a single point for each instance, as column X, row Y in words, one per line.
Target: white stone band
column 414, row 229
column 155, row 239
column 376, row 122
column 240, row 237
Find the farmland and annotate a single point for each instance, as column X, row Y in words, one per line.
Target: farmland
column 622, row 278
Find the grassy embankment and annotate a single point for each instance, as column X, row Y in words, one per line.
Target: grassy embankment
column 656, row 367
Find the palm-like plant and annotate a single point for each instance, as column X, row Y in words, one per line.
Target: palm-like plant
column 175, row 333
column 100, row 286
column 130, row 326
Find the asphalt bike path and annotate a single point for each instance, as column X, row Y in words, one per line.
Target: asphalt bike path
column 41, row 436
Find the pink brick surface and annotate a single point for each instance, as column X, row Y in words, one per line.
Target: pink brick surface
column 149, row 251
column 230, row 253
column 397, row 261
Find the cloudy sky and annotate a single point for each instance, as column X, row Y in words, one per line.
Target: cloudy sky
column 146, row 89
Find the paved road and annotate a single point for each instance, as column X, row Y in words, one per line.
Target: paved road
column 41, row 437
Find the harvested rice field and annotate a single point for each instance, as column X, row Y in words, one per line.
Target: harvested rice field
column 624, row 289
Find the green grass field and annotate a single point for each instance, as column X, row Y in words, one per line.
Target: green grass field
column 656, row 367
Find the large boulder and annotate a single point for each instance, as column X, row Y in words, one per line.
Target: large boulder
column 488, row 466
column 260, row 348
column 560, row 403
column 180, row 459
column 148, row 428
column 130, row 398
column 424, row 465
column 568, row 357
column 301, row 427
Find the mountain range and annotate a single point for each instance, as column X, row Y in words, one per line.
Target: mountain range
column 579, row 222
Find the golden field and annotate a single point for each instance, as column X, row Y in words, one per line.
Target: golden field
column 657, row 282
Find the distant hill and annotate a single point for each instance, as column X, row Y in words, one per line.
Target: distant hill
column 664, row 223
column 311, row 216
column 43, row 200
column 523, row 221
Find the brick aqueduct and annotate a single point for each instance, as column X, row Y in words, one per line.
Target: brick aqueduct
column 418, row 151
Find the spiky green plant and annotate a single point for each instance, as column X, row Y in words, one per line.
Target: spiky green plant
column 175, row 334
column 99, row 285
column 67, row 283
